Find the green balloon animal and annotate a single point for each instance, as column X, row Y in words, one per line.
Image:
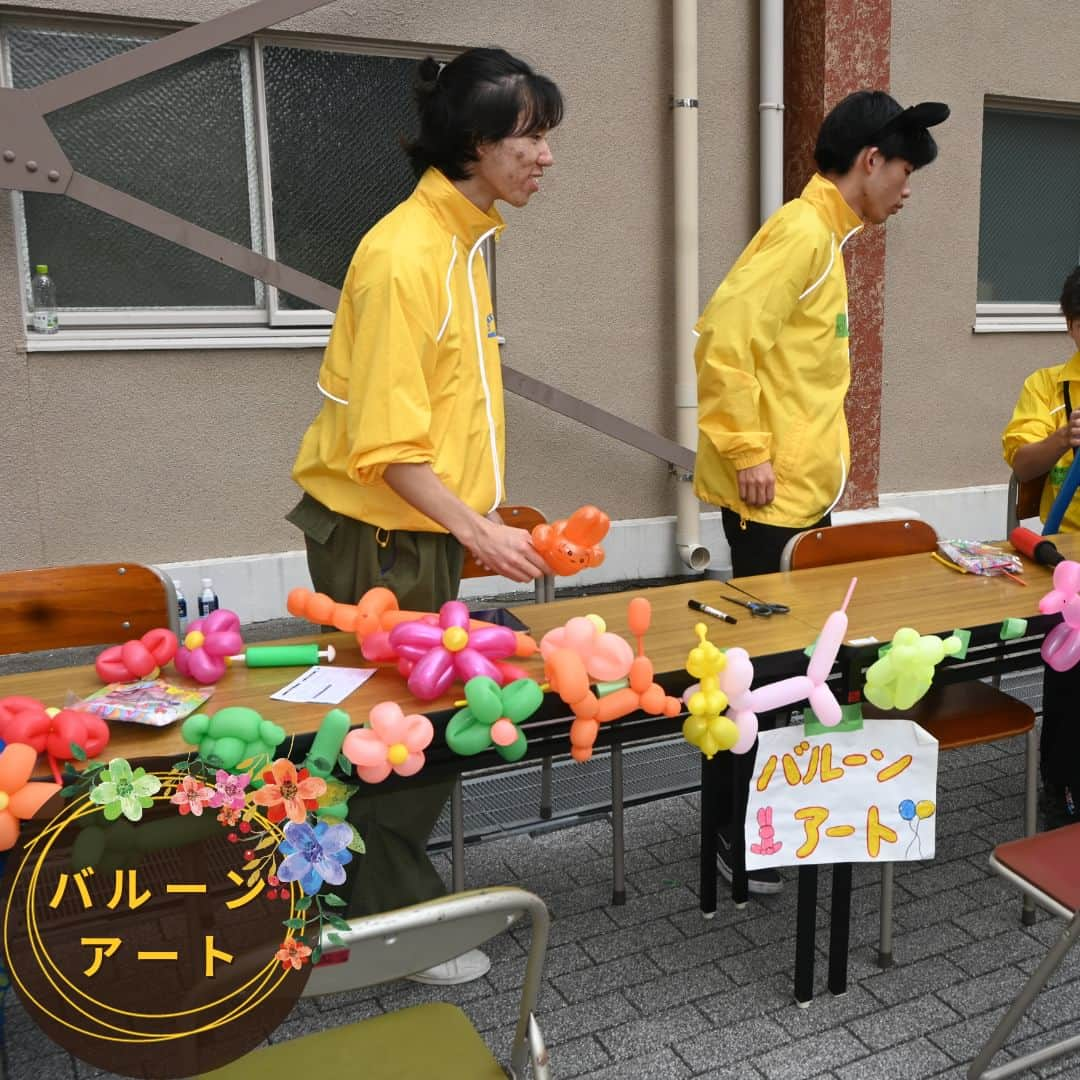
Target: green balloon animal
column 235, row 739
column 491, row 717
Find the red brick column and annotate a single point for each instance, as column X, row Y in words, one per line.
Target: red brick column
column 832, row 47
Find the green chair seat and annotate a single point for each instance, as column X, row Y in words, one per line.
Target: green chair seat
column 436, row 1039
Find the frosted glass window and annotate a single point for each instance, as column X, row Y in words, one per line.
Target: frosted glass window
column 1029, row 218
column 175, row 138
column 335, row 123
column 187, row 139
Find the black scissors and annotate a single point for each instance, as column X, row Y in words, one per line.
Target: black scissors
column 756, row 606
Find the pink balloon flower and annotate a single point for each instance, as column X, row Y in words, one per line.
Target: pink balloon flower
column 206, row 645
column 392, row 741
column 449, row 650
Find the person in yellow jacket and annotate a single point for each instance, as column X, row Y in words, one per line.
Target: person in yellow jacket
column 402, row 468
column 772, row 355
column 1040, row 441
column 772, row 352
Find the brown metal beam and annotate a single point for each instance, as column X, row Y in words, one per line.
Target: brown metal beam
column 169, row 50
column 550, row 397
column 134, row 211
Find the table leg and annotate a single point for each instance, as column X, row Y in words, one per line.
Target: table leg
column 885, row 934
column 618, row 839
column 740, row 796
column 545, row 789
column 805, row 927
column 839, row 927
column 709, row 824
column 457, row 835
column 1031, row 822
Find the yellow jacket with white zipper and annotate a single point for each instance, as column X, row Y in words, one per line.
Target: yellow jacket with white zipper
column 411, row 371
column 1040, row 411
column 773, row 365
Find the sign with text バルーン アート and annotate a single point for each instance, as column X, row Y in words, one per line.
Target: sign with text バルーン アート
column 836, row 796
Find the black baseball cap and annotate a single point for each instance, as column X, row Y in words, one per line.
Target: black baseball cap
column 926, row 114
column 875, row 118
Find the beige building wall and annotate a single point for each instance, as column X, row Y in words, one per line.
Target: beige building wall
column 164, row 456
column 947, row 392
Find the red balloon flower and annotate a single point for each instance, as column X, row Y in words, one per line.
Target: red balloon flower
column 137, row 659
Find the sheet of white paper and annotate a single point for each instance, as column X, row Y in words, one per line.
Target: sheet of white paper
column 325, row 685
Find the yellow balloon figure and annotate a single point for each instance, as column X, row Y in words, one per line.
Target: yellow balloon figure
column 706, row 727
column 899, row 678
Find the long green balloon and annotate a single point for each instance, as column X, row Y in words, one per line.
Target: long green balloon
column 323, row 755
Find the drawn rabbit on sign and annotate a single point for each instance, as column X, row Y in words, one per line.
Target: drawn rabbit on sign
column 769, row 845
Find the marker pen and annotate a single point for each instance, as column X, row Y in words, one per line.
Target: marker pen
column 706, row 609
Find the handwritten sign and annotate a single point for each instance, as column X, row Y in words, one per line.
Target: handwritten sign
column 843, row 796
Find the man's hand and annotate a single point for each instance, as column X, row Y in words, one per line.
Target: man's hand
column 757, row 485
column 504, row 550
column 1070, row 434
column 499, row 548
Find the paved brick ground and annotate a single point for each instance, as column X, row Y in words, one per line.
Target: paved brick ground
column 652, row 990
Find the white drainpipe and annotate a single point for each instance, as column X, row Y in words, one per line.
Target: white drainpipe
column 685, row 124
column 771, row 109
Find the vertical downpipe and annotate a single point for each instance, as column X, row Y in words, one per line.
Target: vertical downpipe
column 685, row 135
column 771, row 107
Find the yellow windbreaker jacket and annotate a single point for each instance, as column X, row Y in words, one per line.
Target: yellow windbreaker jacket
column 411, row 371
column 773, row 365
column 1040, row 412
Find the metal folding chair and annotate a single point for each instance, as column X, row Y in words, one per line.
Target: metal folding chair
column 1047, row 868
column 432, row 1039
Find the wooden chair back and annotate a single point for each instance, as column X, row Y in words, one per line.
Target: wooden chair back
column 521, row 517
column 96, row 604
column 1024, row 499
column 857, row 542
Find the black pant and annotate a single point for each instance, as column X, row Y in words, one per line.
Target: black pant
column 756, row 548
column 1059, row 746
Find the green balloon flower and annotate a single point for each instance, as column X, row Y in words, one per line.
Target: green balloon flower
column 491, row 717
column 121, row 791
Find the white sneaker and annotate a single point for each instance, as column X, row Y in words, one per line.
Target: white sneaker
column 461, row 969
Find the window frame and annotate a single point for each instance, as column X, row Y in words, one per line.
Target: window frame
column 267, row 323
column 1021, row 317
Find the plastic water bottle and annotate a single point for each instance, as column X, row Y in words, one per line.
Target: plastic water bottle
column 181, row 607
column 43, row 294
column 208, row 600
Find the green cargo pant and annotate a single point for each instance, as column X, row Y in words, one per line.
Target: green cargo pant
column 423, row 571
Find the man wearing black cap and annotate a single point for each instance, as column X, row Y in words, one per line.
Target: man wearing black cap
column 772, row 354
